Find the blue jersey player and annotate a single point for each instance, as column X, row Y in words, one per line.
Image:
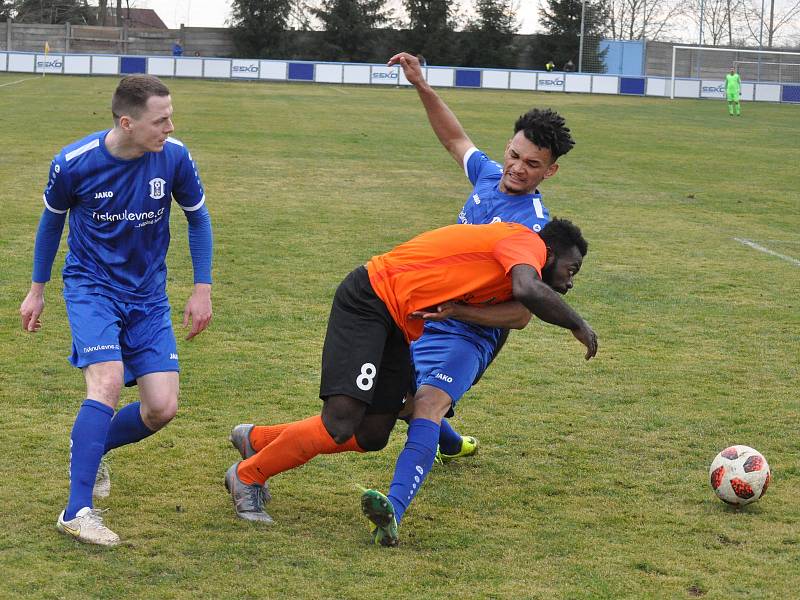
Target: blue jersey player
column 117, row 187
column 452, row 354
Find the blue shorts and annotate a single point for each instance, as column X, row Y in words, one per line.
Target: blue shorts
column 138, row 334
column 449, row 362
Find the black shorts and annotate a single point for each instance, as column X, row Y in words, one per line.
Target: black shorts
column 365, row 355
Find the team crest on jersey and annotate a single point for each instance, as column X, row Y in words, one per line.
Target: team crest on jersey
column 157, row 188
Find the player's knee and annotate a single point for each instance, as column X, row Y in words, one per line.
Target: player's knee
column 157, row 414
column 372, row 441
column 340, row 431
column 431, row 403
column 341, row 415
column 373, row 433
column 340, row 427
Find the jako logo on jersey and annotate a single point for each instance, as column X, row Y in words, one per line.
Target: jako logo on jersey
column 157, row 188
column 173, row 356
column 476, row 198
column 443, row 377
column 98, row 195
column 496, row 220
column 537, row 228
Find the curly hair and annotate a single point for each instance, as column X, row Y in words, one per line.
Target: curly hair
column 561, row 234
column 547, row 129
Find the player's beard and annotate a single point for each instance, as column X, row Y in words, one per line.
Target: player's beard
column 547, row 277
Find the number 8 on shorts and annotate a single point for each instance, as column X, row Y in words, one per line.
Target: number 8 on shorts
column 367, row 377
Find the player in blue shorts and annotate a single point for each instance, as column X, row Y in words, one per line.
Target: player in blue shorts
column 117, row 187
column 452, row 355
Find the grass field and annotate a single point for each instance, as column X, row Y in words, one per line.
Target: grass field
column 591, row 480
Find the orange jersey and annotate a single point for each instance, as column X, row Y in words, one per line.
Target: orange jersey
column 462, row 263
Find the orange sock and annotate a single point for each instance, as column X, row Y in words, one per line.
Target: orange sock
column 298, row 443
column 262, row 436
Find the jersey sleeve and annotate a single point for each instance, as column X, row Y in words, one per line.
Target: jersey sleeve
column 188, row 190
column 477, row 165
column 523, row 248
column 58, row 196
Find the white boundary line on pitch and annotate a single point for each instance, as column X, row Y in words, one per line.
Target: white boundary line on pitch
column 18, row 81
column 766, row 250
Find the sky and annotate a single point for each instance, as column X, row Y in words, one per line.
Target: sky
column 213, row 13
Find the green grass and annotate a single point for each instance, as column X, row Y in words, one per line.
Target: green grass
column 591, row 480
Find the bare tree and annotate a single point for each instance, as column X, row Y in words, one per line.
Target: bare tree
column 648, row 19
column 718, row 17
column 102, row 12
column 760, row 25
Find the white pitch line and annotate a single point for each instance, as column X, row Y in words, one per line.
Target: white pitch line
column 17, row 81
column 766, row 250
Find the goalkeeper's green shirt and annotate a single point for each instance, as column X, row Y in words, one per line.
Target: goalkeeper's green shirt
column 732, row 83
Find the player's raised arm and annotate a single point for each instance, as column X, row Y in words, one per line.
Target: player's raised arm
column 444, row 123
column 546, row 304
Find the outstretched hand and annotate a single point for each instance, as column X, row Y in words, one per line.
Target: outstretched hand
column 586, row 336
column 410, row 65
column 198, row 310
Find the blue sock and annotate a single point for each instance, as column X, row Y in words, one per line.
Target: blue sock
column 449, row 439
column 127, row 427
column 87, row 441
column 413, row 464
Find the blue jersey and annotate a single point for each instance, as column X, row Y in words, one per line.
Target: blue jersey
column 119, row 215
column 487, row 204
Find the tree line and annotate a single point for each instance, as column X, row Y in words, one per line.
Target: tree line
column 437, row 30
column 444, row 34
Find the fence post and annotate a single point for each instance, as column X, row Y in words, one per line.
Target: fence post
column 580, row 48
column 67, row 35
column 9, row 26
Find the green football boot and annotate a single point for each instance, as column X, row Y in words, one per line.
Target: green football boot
column 378, row 509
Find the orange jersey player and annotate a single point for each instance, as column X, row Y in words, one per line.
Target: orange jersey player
column 461, row 271
column 468, row 264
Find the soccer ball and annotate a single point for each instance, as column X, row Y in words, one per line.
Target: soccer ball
column 739, row 475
